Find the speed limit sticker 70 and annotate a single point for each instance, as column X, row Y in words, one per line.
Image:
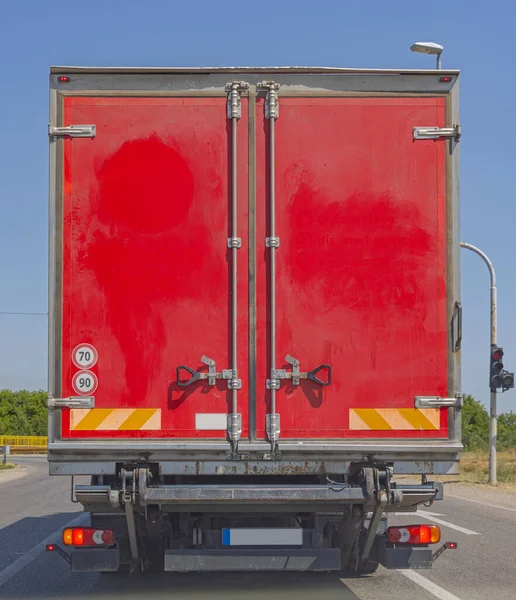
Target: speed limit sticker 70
column 85, row 382
column 84, row 356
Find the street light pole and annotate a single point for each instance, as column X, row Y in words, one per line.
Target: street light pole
column 492, row 412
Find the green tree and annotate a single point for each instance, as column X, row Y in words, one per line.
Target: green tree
column 507, row 430
column 23, row 412
column 475, row 424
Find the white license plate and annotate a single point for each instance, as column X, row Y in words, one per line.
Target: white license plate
column 262, row 537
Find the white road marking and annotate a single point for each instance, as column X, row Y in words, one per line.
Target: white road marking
column 404, row 514
column 20, row 563
column 430, row 517
column 428, row 585
column 483, row 503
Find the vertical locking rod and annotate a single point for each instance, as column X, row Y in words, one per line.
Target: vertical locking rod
column 234, row 90
column 272, row 113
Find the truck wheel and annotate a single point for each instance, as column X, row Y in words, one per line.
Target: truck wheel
column 122, row 570
column 368, row 568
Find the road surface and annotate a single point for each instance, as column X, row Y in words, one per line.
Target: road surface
column 34, row 508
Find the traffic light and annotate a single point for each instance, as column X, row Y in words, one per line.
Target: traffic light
column 507, row 380
column 495, row 376
column 499, row 377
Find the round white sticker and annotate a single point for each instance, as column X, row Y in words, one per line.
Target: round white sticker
column 85, row 382
column 84, row 356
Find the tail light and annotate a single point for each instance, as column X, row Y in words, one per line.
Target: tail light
column 87, row 536
column 415, row 535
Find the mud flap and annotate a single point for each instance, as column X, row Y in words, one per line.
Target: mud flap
column 404, row 557
column 95, row 559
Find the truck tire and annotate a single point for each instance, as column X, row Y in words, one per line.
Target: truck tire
column 368, row 568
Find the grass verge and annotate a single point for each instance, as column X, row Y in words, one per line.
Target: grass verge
column 474, row 466
column 6, row 466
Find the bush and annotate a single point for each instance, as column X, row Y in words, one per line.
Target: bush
column 507, row 430
column 475, row 424
column 23, row 412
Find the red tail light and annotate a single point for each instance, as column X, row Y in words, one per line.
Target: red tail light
column 87, row 536
column 414, row 534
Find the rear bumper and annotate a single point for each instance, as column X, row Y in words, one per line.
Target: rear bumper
column 278, row 559
column 85, row 457
column 318, row 559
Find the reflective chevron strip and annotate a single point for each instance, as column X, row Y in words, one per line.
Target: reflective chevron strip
column 113, row 419
column 397, row 419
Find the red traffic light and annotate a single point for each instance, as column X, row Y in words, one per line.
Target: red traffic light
column 497, row 354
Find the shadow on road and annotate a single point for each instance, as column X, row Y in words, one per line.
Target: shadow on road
column 47, row 575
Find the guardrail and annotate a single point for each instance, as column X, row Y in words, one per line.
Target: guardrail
column 25, row 444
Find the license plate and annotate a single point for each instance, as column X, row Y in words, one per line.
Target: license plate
column 262, row 537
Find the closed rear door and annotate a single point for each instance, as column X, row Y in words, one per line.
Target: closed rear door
column 361, row 266
column 147, row 268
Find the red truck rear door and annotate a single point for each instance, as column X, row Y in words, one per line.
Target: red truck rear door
column 146, row 265
column 361, row 267
column 361, row 217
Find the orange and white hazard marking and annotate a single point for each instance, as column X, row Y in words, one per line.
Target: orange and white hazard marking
column 115, row 419
column 394, row 419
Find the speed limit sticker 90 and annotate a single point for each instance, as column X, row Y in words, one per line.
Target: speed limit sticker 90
column 84, row 356
column 85, row 382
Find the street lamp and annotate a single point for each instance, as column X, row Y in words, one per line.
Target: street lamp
column 429, row 48
column 498, row 376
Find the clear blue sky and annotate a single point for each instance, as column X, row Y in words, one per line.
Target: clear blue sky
column 36, row 34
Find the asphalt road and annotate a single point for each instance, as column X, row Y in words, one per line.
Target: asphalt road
column 35, row 507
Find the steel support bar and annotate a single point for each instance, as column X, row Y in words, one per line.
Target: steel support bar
column 235, row 494
column 492, row 478
column 131, row 527
column 234, row 113
column 373, row 525
column 272, row 242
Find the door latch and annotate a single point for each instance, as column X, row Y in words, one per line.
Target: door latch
column 296, row 375
column 210, row 376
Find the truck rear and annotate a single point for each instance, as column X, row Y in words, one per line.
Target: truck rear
column 255, row 318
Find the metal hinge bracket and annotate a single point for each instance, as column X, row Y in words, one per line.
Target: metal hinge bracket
column 438, row 402
column 72, row 131
column 234, row 242
column 437, row 133
column 234, row 426
column 234, row 105
column 271, row 102
column 272, row 242
column 272, row 424
column 71, row 402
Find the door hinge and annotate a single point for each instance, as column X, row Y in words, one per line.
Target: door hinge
column 437, row 133
column 272, row 426
column 71, row 402
column 438, row 402
column 234, row 90
column 72, row 131
column 271, row 100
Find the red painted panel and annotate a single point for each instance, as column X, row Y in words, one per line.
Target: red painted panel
column 146, row 266
column 361, row 270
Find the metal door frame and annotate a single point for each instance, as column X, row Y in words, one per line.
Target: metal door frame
column 210, row 82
